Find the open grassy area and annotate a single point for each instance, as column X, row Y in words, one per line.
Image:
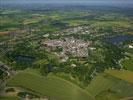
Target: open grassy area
column 122, row 74
column 106, row 87
column 128, row 63
column 49, row 86
column 9, row 98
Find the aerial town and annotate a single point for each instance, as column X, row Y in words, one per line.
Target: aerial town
column 68, row 46
column 66, row 52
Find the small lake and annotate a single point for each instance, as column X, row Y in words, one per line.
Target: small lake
column 119, row 39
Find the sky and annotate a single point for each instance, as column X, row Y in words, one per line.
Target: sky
column 104, row 2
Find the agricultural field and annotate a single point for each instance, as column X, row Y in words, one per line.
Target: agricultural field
column 107, row 87
column 122, row 74
column 63, row 90
column 9, row 98
column 102, row 87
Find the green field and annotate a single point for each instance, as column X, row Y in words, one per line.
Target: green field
column 106, row 87
column 51, row 86
column 9, row 98
column 122, row 74
column 128, row 64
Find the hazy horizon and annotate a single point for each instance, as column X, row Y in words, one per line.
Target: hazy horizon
column 100, row 2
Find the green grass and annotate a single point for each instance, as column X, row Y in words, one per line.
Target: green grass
column 9, row 98
column 106, row 95
column 122, row 74
column 51, row 86
column 128, row 50
column 128, row 64
column 106, row 87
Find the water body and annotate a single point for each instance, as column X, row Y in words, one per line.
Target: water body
column 24, row 58
column 119, row 39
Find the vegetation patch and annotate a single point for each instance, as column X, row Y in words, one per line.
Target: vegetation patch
column 9, row 98
column 128, row 64
column 106, row 87
column 122, row 74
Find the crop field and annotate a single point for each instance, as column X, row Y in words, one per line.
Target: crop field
column 106, row 87
column 122, row 74
column 33, row 20
column 128, row 64
column 63, row 90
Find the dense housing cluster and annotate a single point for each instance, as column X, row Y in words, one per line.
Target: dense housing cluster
column 68, row 46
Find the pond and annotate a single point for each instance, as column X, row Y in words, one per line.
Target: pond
column 24, row 58
column 119, row 39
